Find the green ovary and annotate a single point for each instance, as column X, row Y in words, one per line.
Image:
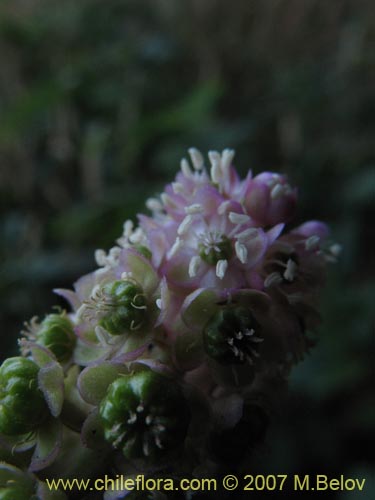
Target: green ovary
column 145, row 415
column 125, row 309
column 56, row 333
column 22, row 405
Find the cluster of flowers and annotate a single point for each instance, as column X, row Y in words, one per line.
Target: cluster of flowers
column 175, row 345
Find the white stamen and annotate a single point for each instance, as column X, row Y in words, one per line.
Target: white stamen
column 127, row 275
column 167, row 200
column 148, row 419
column 100, row 257
column 196, row 158
column 215, row 158
column 236, row 350
column 223, row 207
column 128, row 226
column 239, row 335
column 137, row 236
column 273, row 279
column 238, row 218
column 241, row 252
column 247, row 234
column 185, row 168
column 221, row 268
column 154, row 205
column 215, row 173
column 230, row 341
column 194, row 266
column 249, row 333
column 158, row 442
column 277, row 191
column 140, row 408
column 177, row 187
column 226, row 159
column 133, row 418
column 175, row 248
column 290, row 271
column 196, row 208
column 185, row 224
column 146, row 448
column 335, row 249
column 312, row 242
column 158, row 303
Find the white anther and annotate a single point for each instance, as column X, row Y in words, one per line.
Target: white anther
column 167, row 200
column 226, row 159
column 238, row 218
column 273, row 279
column 146, row 448
column 158, row 303
column 290, row 271
column 127, row 275
column 247, row 234
column 185, row 168
column 129, row 225
column 215, row 173
column 312, row 242
column 194, row 265
column 133, row 418
column 214, row 157
column 335, row 249
column 175, row 248
column 223, row 207
column 277, row 191
column 221, row 267
column 158, row 442
column 230, row 341
column 196, row 208
column 239, row 335
column 241, row 252
column 148, row 419
column 185, row 224
column 177, row 187
column 140, row 408
column 249, row 333
column 196, row 158
column 137, row 236
column 100, row 257
column 154, row 205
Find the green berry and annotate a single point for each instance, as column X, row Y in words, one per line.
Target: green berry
column 56, row 333
column 22, row 405
column 145, row 415
column 124, row 307
column 231, row 336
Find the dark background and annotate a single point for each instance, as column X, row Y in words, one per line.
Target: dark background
column 100, row 99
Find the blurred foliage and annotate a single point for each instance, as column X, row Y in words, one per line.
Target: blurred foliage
column 99, row 100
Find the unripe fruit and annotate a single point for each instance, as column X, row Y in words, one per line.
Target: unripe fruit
column 231, row 336
column 145, row 415
column 56, row 333
column 22, row 405
column 124, row 307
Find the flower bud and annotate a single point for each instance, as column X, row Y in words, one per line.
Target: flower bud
column 22, row 405
column 56, row 333
column 231, row 336
column 269, row 199
column 124, row 307
column 145, row 415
